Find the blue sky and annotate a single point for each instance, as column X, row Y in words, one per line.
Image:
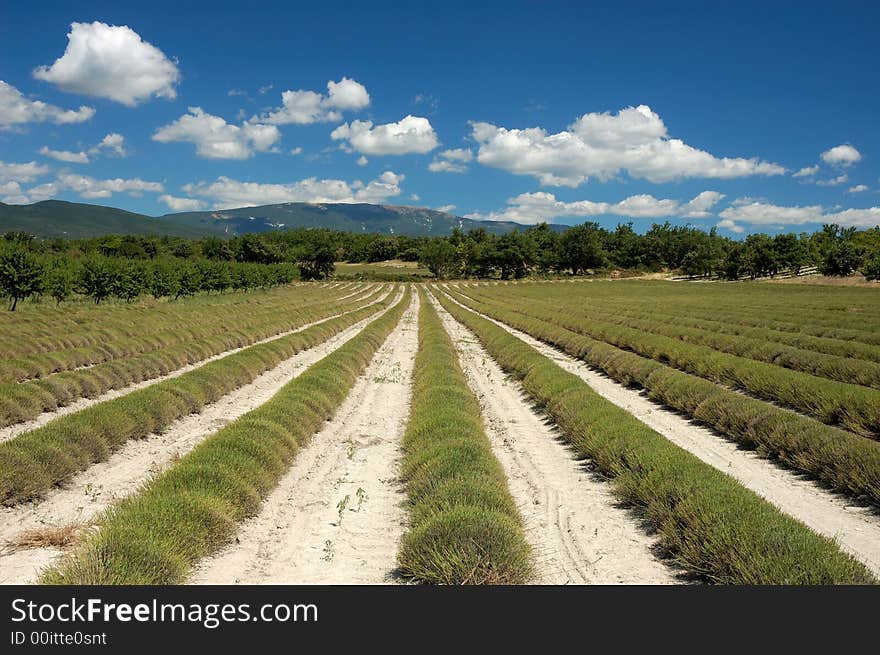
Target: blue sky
column 752, row 117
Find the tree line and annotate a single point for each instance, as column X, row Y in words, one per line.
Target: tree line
column 588, row 248
column 127, row 266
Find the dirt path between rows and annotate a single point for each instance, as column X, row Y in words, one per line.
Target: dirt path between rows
column 578, row 530
column 12, row 431
column 337, row 516
column 83, row 498
column 856, row 528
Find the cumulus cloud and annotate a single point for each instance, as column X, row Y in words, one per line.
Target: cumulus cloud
column 410, row 135
column 842, row 155
column 182, row 204
column 65, row 155
column 362, row 161
column 602, row 145
column 227, row 193
column 699, row 206
column 296, row 151
column 306, row 107
column 89, row 187
column 446, row 208
column 214, row 138
column 858, row 188
column 111, row 61
column 759, row 212
column 21, row 172
column 807, row 171
column 834, row 181
column 18, row 196
column 17, row 110
column 541, row 207
column 451, row 161
column 727, row 224
column 85, row 186
column 113, row 142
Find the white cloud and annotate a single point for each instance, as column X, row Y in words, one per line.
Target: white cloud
column 306, row 107
column 111, row 61
column 113, row 142
column 296, row 151
column 446, row 208
column 215, row 138
column 182, row 204
column 17, row 196
column 728, row 224
column 362, row 161
column 16, row 110
column 842, row 155
column 807, row 171
column 85, row 186
column 89, row 187
column 858, row 188
column 227, row 193
column 451, row 161
column 758, row 212
column 411, row 134
column 699, row 207
column 65, row 155
column 415, row 197
column 541, row 206
column 24, row 172
column 602, row 145
column 835, row 181
column 263, row 90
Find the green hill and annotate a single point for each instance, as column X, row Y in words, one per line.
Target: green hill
column 73, row 220
column 56, row 218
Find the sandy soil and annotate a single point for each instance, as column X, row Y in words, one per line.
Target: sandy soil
column 83, row 498
column 302, row 535
column 856, row 528
column 11, row 431
column 579, row 532
column 855, row 280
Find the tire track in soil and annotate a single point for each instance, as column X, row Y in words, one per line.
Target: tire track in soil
column 855, row 527
column 578, row 530
column 82, row 499
column 302, row 534
column 16, row 429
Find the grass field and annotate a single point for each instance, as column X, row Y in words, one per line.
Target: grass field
column 718, row 433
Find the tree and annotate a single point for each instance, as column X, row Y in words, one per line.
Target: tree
column 871, row 267
column 381, row 250
column 840, row 254
column 96, row 279
column 545, row 247
column 189, row 280
column 58, row 281
column 316, row 258
column 842, row 258
column 163, row 281
column 21, row 274
column 253, row 248
column 216, row 248
column 512, row 256
column 439, row 257
column 129, row 279
column 582, row 248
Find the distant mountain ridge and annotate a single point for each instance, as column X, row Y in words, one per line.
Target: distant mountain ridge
column 58, row 218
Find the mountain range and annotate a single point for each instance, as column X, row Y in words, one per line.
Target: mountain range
column 58, row 218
